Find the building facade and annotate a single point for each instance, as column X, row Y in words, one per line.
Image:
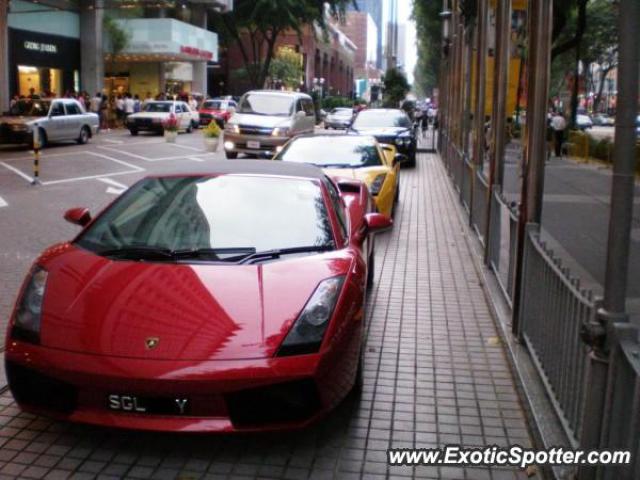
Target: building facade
column 361, row 29
column 50, row 47
column 385, row 15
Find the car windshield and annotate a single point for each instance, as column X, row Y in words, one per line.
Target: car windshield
column 381, row 119
column 266, row 104
column 349, row 151
column 30, row 108
column 158, row 107
column 225, row 212
column 214, row 105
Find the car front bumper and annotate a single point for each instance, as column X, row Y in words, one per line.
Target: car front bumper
column 223, row 395
column 266, row 144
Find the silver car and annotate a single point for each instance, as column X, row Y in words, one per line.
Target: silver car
column 55, row 120
column 265, row 120
column 339, row 118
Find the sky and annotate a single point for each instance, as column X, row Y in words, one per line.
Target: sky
column 404, row 16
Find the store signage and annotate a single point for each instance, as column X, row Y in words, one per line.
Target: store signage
column 196, row 52
column 40, row 47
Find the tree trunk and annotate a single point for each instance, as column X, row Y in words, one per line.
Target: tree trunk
column 598, row 98
column 581, row 26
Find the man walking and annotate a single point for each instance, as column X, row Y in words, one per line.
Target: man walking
column 558, row 124
column 95, row 105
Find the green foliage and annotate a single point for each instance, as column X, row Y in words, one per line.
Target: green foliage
column 429, row 40
column 118, row 37
column 396, row 87
column 212, row 130
column 329, row 103
column 255, row 25
column 286, row 66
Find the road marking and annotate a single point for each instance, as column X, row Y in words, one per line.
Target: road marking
column 113, row 183
column 3, row 203
column 115, row 191
column 196, row 159
column 160, row 159
column 15, row 170
column 88, row 177
column 186, row 146
column 117, row 142
column 121, row 162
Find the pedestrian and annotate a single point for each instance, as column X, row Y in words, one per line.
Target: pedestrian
column 14, row 101
column 558, row 124
column 193, row 103
column 148, row 98
column 119, row 110
column 95, row 106
column 129, row 106
column 104, row 113
column 137, row 105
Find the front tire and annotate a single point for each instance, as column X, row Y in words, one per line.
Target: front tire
column 84, row 136
column 371, row 268
column 231, row 155
column 133, row 131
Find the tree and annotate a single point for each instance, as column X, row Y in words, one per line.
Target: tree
column 254, row 26
column 396, row 87
column 118, row 41
column 286, row 66
column 429, row 40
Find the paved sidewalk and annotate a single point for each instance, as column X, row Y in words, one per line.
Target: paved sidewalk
column 436, row 373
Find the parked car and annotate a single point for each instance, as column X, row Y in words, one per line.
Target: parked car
column 339, row 118
column 265, row 120
column 55, row 120
column 227, row 301
column 217, row 109
column 603, row 120
column 391, row 126
column 351, row 156
column 154, row 114
column 583, row 122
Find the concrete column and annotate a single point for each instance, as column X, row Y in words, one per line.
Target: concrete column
column 92, row 51
column 199, row 84
column 4, row 56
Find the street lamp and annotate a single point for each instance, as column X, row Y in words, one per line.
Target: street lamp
column 446, row 15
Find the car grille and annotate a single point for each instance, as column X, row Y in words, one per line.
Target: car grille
column 279, row 403
column 33, row 388
column 249, row 130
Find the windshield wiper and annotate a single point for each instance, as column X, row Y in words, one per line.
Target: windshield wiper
column 137, row 251
column 235, row 252
column 277, row 252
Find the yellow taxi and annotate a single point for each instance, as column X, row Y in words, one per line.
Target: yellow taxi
column 351, row 156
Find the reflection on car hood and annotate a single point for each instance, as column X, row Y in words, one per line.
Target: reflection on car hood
column 266, row 121
column 365, row 174
column 196, row 311
column 382, row 131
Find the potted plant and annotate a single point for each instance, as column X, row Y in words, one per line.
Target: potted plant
column 170, row 127
column 212, row 136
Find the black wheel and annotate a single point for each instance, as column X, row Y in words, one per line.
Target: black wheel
column 231, row 155
column 134, row 131
column 371, row 269
column 359, row 382
column 412, row 160
column 397, row 195
column 84, row 136
column 190, row 128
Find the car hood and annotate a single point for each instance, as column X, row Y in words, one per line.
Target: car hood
column 266, row 121
column 366, row 174
column 382, row 132
column 18, row 119
column 99, row 306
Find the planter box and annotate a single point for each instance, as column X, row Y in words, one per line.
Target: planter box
column 211, row 143
column 170, row 137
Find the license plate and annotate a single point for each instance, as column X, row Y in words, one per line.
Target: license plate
column 253, row 144
column 149, row 405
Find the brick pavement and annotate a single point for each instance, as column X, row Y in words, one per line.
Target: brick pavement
column 435, row 373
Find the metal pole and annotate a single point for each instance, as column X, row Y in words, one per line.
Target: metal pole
column 624, row 160
column 498, row 122
column 36, row 155
column 538, row 73
column 480, row 85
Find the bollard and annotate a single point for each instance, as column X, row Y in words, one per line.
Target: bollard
column 36, row 156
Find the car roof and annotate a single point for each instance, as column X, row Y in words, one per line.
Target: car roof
column 260, row 167
column 283, row 93
column 383, row 110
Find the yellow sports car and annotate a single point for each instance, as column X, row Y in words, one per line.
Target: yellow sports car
column 351, row 156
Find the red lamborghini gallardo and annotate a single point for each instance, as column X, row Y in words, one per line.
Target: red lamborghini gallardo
column 231, row 300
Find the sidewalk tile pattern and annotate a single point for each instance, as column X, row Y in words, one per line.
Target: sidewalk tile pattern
column 435, row 374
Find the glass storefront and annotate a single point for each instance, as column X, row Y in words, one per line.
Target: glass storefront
column 39, row 80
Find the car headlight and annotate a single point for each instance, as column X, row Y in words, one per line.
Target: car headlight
column 280, row 132
column 26, row 322
column 308, row 330
column 376, row 185
column 403, row 140
column 232, row 128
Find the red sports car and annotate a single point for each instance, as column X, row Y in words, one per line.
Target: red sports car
column 231, row 300
column 218, row 110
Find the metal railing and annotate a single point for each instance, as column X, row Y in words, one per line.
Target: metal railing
column 553, row 310
column 503, row 242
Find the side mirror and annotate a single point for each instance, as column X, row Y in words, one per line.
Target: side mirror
column 399, row 159
column 78, row 216
column 374, row 223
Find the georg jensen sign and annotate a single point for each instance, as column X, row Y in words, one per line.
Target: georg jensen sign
column 40, row 47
